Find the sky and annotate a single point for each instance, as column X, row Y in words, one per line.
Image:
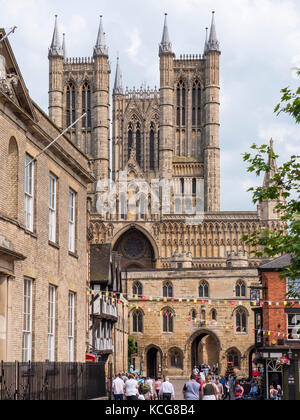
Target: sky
column 259, row 40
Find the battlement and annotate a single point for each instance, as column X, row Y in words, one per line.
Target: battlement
column 142, row 93
column 79, row 60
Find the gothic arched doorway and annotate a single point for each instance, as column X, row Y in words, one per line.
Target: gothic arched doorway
column 136, row 250
column 205, row 349
column 154, row 362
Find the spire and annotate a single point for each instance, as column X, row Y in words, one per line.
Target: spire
column 56, row 48
column 165, row 45
column 64, row 46
column 206, row 41
column 273, row 166
column 213, row 43
column 118, row 89
column 100, row 47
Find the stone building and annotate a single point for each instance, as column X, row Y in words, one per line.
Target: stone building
column 176, row 230
column 43, row 235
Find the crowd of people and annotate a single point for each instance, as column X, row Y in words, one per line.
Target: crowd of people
column 205, row 384
column 133, row 386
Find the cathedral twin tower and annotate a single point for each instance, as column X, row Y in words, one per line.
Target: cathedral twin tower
column 168, row 134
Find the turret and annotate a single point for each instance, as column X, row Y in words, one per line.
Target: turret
column 101, row 106
column 166, row 104
column 212, row 122
column 56, row 59
column 116, row 128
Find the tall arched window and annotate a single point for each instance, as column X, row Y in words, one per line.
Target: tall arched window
column 152, row 148
column 143, row 206
column 168, row 321
column 196, row 104
column 12, row 175
column 71, row 104
column 138, row 145
column 240, row 289
column 130, row 139
column 168, row 290
column 137, row 289
column 137, row 319
column 181, row 93
column 86, row 106
column 203, row 290
column 241, row 320
column 158, row 149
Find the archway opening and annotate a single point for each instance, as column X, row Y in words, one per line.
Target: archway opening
column 136, row 250
column 154, row 362
column 205, row 349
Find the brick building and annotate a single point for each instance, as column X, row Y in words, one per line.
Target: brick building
column 43, row 233
column 278, row 329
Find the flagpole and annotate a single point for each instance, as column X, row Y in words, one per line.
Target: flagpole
column 49, row 145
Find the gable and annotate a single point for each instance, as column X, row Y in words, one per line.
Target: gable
column 12, row 83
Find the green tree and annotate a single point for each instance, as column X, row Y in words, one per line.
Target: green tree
column 284, row 187
column 132, row 349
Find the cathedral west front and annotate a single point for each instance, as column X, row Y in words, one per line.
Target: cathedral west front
column 187, row 274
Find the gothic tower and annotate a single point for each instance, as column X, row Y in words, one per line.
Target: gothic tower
column 166, row 93
column 56, row 70
column 80, row 86
column 212, row 122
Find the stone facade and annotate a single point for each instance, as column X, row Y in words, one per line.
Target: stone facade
column 172, row 134
column 29, row 262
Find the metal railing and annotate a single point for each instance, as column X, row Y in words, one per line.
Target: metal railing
column 52, row 381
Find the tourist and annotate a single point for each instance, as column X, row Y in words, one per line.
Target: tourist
column 220, row 389
column 209, row 390
column 191, row 390
column 118, row 388
column 157, row 387
column 167, row 390
column 253, row 390
column 131, row 388
column 124, row 377
column 273, row 393
column 239, row 391
column 279, row 393
column 196, row 371
column 149, row 383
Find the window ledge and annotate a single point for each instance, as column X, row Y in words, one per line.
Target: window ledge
column 54, row 244
column 32, row 234
column 74, row 255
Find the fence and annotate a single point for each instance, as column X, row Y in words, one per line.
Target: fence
column 52, row 381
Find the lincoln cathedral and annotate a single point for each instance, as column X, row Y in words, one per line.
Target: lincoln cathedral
column 188, row 284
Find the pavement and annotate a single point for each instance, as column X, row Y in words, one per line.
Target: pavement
column 178, row 386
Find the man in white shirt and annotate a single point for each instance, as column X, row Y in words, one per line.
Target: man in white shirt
column 131, row 388
column 118, row 388
column 149, row 382
column 167, row 390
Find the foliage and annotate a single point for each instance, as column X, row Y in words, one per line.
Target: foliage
column 132, row 348
column 284, row 188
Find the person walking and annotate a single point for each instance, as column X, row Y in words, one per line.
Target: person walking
column 191, row 390
column 273, row 393
column 220, row 389
column 149, row 383
column 279, row 393
column 157, row 388
column 239, row 391
column 167, row 390
column 118, row 388
column 131, row 388
column 209, row 390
